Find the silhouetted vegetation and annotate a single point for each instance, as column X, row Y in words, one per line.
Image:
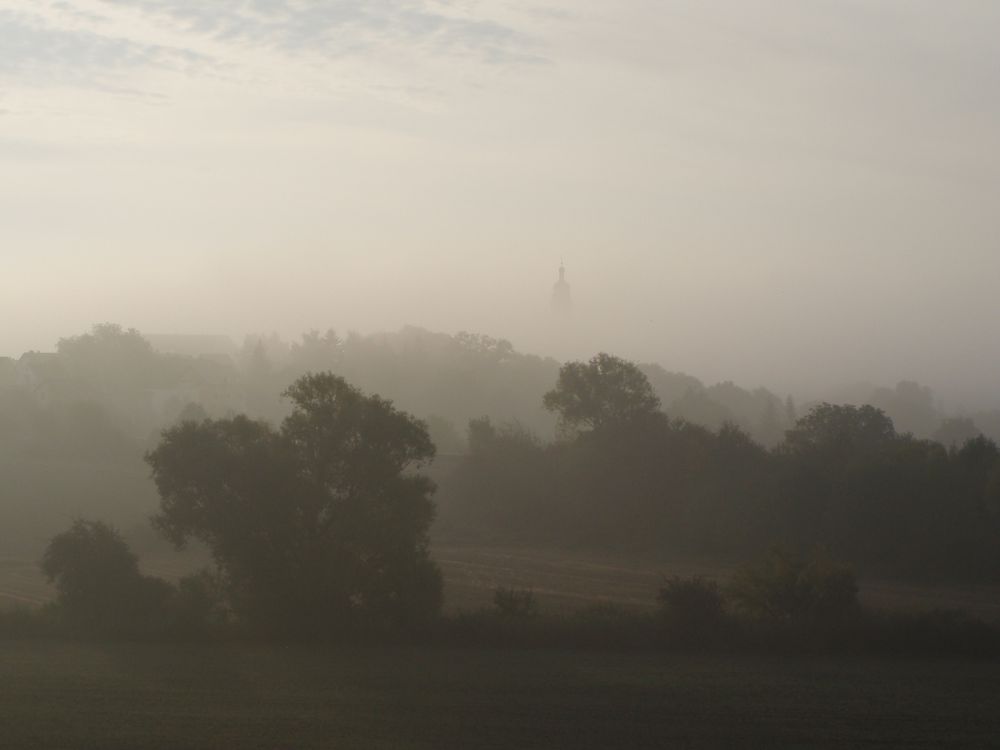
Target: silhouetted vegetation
column 626, row 474
column 100, row 589
column 101, row 592
column 789, row 588
column 693, row 609
column 318, row 527
column 511, row 602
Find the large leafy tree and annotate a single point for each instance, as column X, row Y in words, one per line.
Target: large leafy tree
column 318, row 526
column 603, row 392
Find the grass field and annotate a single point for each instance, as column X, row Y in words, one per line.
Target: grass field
column 56, row 695
column 240, row 695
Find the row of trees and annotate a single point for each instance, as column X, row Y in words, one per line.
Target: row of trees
column 627, row 476
column 75, row 423
column 321, row 525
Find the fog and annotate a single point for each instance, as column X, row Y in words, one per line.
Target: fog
column 795, row 195
column 497, row 373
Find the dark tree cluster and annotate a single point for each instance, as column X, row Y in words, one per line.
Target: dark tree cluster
column 317, row 527
column 627, row 477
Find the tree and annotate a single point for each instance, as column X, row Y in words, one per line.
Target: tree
column 955, row 432
column 316, row 352
column 110, row 357
column 605, row 391
column 100, row 589
column 836, row 428
column 317, row 526
column 791, row 412
column 692, row 608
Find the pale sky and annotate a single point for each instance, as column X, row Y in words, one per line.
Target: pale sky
column 789, row 193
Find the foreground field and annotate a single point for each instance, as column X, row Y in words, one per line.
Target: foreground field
column 136, row 697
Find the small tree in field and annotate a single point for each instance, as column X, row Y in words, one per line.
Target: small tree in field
column 100, row 589
column 515, row 603
column 318, row 526
column 692, row 608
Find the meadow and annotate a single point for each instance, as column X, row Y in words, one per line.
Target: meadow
column 56, row 693
column 265, row 696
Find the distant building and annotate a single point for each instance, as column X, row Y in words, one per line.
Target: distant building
column 562, row 302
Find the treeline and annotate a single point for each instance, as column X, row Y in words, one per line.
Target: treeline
column 781, row 603
column 315, row 528
column 626, row 476
column 137, row 388
column 319, row 528
column 75, row 423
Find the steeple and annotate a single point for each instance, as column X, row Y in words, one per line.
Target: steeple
column 561, row 300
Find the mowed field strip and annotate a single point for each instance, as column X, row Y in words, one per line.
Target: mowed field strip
column 561, row 581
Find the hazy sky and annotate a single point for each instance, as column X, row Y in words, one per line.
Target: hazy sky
column 782, row 192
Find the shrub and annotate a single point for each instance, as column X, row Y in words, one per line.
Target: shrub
column 515, row 603
column 785, row 587
column 100, row 589
column 692, row 608
column 198, row 605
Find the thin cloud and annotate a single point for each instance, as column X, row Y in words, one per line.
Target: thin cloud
column 36, row 53
column 336, row 28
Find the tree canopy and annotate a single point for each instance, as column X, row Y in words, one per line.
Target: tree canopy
column 606, row 390
column 100, row 588
column 317, row 526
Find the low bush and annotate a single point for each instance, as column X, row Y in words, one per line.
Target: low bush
column 692, row 609
column 197, row 607
column 515, row 603
column 784, row 587
column 101, row 593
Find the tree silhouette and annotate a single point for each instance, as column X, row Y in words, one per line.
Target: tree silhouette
column 319, row 526
column 100, row 589
column 606, row 390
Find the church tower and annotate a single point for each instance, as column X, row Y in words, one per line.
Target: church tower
column 561, row 300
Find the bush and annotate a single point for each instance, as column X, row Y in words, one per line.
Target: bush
column 198, row 605
column 26, row 623
column 692, row 608
column 785, row 587
column 100, row 589
column 515, row 603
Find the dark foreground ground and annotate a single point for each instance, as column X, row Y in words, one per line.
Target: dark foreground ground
column 57, row 695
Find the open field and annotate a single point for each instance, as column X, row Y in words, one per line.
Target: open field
column 565, row 581
column 561, row 581
column 248, row 696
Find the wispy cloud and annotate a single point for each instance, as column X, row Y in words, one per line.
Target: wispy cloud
column 86, row 43
column 338, row 27
column 34, row 52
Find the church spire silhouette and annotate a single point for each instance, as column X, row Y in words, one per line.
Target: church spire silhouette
column 562, row 302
